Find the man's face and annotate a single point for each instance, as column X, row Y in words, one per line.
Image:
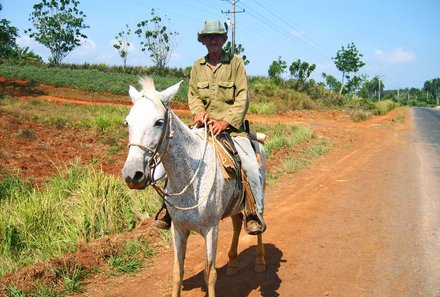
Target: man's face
column 214, row 42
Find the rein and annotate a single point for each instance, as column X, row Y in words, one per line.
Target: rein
column 162, row 193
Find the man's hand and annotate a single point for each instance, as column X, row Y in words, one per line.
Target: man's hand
column 218, row 126
column 200, row 117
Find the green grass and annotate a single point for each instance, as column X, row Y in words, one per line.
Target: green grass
column 88, row 79
column 385, row 106
column 81, row 204
column 131, row 257
column 282, row 136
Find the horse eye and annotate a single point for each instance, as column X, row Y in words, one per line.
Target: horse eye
column 125, row 123
column 159, row 123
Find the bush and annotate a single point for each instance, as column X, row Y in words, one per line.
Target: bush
column 385, row 106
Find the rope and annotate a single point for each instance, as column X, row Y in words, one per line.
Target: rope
column 164, row 194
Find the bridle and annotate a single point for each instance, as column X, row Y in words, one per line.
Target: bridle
column 168, row 133
column 154, row 159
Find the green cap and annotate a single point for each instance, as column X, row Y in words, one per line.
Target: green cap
column 212, row 27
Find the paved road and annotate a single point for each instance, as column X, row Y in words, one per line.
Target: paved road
column 426, row 140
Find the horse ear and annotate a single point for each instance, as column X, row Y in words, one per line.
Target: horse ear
column 134, row 94
column 169, row 93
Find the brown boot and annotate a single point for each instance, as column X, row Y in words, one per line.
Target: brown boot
column 254, row 226
column 163, row 222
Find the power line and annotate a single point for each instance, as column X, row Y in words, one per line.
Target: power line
column 292, row 27
column 282, row 31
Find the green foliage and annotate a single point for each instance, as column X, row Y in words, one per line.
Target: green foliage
column 93, row 79
column 267, row 96
column 385, row 106
column 8, row 34
column 331, row 82
column 58, row 25
column 122, row 44
column 282, row 136
column 276, row 69
column 348, row 60
column 81, row 203
column 432, row 88
column 157, row 39
column 130, row 258
column 239, row 50
column 301, row 71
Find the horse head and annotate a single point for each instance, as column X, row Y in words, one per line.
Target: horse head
column 147, row 124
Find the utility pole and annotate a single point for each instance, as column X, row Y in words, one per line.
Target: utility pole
column 233, row 12
column 378, row 89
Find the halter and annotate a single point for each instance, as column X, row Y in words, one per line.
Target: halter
column 154, row 151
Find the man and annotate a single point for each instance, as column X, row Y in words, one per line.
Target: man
column 218, row 94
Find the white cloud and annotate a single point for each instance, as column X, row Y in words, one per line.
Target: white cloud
column 87, row 48
column 395, row 56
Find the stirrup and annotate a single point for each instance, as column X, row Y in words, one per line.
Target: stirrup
column 163, row 222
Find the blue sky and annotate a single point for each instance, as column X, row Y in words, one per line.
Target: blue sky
column 399, row 39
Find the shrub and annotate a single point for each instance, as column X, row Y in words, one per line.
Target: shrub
column 385, row 106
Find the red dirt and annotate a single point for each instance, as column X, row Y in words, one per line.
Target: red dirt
column 315, row 244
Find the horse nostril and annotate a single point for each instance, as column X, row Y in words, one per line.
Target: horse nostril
column 139, row 175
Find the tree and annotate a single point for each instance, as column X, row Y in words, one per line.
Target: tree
column 432, row 87
column 122, row 44
column 239, row 49
column 58, row 25
column 331, row 82
column 348, row 60
column 277, row 68
column 301, row 70
column 157, row 39
column 8, row 34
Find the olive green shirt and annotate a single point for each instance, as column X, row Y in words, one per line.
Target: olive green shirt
column 221, row 92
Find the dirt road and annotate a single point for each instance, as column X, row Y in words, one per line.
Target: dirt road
column 351, row 225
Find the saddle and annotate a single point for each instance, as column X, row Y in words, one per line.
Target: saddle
column 231, row 168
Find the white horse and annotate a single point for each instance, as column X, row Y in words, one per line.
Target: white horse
column 198, row 195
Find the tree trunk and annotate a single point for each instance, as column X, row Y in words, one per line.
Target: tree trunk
column 342, row 83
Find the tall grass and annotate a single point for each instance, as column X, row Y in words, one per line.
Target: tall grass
column 282, row 136
column 385, row 106
column 80, row 204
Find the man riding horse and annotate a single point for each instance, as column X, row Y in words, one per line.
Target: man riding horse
column 218, row 95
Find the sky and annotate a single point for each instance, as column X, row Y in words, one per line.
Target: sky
column 399, row 39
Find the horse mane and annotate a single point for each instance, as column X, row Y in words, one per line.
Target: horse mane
column 148, row 87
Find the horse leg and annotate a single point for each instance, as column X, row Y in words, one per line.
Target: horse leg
column 180, row 238
column 260, row 262
column 211, row 254
column 237, row 221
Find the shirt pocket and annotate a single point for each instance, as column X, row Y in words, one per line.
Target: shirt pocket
column 203, row 89
column 226, row 91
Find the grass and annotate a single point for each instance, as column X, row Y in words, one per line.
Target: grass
column 81, row 204
column 282, row 136
column 131, row 257
column 88, row 79
column 313, row 149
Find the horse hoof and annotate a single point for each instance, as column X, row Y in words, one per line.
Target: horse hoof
column 231, row 271
column 260, row 268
